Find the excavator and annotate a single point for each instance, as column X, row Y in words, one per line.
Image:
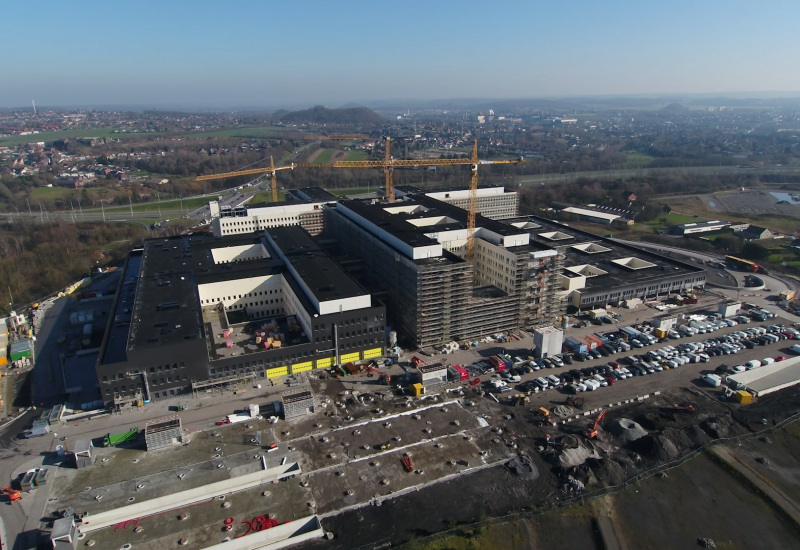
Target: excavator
column 13, row 494
column 591, row 431
column 687, row 407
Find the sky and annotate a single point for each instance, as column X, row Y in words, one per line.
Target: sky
column 296, row 53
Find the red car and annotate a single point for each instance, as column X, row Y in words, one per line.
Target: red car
column 611, row 380
column 780, row 358
column 614, row 365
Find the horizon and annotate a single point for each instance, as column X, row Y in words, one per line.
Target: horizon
column 265, row 56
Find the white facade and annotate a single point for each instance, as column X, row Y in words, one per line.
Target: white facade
column 548, row 341
column 493, row 202
column 261, row 218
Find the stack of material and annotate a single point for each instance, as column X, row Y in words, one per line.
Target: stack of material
column 625, row 429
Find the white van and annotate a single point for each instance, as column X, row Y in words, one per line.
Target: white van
column 767, row 361
column 755, row 363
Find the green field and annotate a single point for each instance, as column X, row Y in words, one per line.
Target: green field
column 258, row 132
column 635, row 159
column 188, row 204
column 326, row 156
column 673, row 218
column 49, row 137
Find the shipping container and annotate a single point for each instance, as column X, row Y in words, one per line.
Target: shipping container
column 743, row 397
column 458, row 373
column 660, row 333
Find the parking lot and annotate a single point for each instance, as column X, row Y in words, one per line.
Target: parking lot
column 621, row 368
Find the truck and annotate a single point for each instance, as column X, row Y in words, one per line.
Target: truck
column 457, row 373
column 575, row 345
column 629, row 333
column 712, row 380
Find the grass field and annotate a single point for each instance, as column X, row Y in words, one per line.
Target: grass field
column 673, row 218
column 258, row 132
column 49, row 137
column 635, row 159
column 331, row 155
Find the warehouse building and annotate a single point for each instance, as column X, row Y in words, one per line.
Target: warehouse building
column 770, row 378
column 494, row 203
column 197, row 313
column 698, row 227
column 413, row 258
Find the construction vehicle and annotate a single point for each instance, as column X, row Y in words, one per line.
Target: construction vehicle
column 576, row 402
column 13, row 494
column 591, row 430
column 687, row 407
column 522, row 400
column 270, row 171
column 385, row 446
column 544, row 417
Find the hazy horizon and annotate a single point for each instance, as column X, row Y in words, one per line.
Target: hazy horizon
column 207, row 56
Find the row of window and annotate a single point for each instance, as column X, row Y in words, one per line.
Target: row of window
column 248, row 295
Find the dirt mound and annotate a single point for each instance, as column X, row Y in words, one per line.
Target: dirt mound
column 569, row 458
column 657, row 447
column 607, row 472
column 522, row 466
column 625, row 429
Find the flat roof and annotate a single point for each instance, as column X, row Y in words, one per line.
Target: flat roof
column 321, row 275
column 591, row 213
column 623, row 264
column 771, row 378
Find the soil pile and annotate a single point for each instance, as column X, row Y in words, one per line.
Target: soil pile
column 625, row 430
column 522, row 466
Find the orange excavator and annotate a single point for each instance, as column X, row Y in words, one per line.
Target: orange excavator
column 13, row 494
column 591, row 430
column 686, row 407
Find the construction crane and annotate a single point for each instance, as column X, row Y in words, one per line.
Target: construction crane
column 389, row 164
column 270, row 171
column 313, row 137
column 591, row 430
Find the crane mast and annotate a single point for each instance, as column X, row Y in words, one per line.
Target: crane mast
column 271, row 172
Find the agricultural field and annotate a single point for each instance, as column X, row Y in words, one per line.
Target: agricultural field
column 326, row 156
column 261, row 132
column 49, row 137
column 635, row 159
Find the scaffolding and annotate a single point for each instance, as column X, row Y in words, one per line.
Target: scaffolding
column 231, row 384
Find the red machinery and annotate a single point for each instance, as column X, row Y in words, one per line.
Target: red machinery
column 408, row 464
column 591, row 431
column 13, row 494
column 475, row 382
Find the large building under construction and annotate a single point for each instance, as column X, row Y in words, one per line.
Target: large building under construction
column 197, row 312
column 413, row 257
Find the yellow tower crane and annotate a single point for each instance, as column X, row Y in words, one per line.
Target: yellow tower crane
column 270, row 171
column 389, row 164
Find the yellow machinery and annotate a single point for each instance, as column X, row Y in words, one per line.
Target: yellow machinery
column 389, row 164
column 252, row 171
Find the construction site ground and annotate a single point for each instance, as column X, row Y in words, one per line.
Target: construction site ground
column 351, row 451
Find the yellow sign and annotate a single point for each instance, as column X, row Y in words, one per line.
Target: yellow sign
column 302, row 367
column 323, row 363
column 277, row 371
column 370, row 353
column 350, row 357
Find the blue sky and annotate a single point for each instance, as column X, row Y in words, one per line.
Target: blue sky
column 225, row 54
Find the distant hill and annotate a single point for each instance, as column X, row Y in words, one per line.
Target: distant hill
column 675, row 108
column 322, row 115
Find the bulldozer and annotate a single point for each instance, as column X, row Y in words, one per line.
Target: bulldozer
column 522, row 400
column 686, row 407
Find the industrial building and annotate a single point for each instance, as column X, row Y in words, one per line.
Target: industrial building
column 199, row 313
column 494, row 203
column 593, row 216
column 598, row 271
column 770, row 378
column 698, row 227
column 412, row 256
